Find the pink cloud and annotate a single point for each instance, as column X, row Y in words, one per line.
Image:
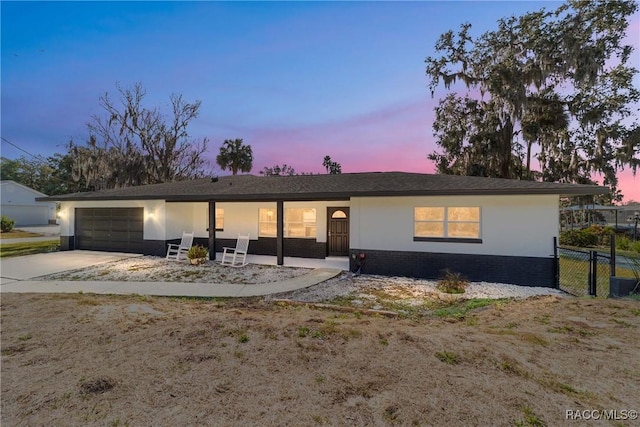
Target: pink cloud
column 395, row 138
column 629, row 185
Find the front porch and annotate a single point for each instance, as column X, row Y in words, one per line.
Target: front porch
column 337, row 263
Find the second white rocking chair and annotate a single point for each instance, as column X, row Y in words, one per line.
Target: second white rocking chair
column 236, row 257
column 178, row 252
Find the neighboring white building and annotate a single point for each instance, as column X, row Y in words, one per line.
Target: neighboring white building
column 400, row 223
column 19, row 204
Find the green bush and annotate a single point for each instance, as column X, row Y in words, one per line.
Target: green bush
column 603, row 233
column 581, row 238
column 623, row 243
column 6, row 224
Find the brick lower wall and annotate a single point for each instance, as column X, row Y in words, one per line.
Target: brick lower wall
column 156, row 247
column 67, row 243
column 527, row 271
column 301, row 248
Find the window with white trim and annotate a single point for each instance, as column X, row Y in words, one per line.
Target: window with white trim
column 449, row 223
column 298, row 222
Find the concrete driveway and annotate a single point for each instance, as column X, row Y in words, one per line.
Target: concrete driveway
column 29, row 266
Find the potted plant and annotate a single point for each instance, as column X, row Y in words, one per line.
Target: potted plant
column 197, row 254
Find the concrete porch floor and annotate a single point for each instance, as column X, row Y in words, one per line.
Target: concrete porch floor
column 337, row 263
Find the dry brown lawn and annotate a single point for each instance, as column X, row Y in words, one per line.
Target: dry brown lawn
column 114, row 361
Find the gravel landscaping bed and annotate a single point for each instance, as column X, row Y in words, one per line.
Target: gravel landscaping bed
column 156, row 269
column 411, row 291
column 363, row 290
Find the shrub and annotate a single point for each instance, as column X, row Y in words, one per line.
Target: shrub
column 6, row 224
column 603, row 233
column 582, row 238
column 452, row 283
column 623, row 243
column 626, row 244
column 197, row 251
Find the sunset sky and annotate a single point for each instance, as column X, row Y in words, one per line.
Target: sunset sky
column 296, row 80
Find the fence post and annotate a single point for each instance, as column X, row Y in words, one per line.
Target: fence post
column 612, row 259
column 593, row 273
column 556, row 263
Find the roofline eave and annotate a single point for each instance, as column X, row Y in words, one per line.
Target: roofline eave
column 336, row 196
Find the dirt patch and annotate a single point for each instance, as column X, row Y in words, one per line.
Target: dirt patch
column 250, row 362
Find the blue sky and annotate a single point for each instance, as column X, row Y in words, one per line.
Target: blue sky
column 296, row 80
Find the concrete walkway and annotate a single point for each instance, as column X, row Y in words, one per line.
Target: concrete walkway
column 31, row 266
column 171, row 288
column 17, row 275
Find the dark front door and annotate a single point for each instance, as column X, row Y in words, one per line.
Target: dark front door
column 338, row 231
column 109, row 229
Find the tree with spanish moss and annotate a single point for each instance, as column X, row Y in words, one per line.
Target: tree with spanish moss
column 131, row 144
column 555, row 86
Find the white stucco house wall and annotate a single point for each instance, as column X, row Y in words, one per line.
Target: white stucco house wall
column 401, row 223
column 19, row 203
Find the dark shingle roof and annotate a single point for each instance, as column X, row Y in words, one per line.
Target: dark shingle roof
column 330, row 187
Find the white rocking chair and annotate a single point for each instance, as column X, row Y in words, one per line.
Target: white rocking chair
column 236, row 257
column 178, row 252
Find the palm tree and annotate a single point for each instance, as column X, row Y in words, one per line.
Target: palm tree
column 333, row 168
column 235, row 156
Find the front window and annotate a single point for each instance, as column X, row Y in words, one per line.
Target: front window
column 219, row 219
column 268, row 223
column 447, row 222
column 298, row 222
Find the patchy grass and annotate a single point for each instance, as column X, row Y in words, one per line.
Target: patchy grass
column 305, row 366
column 621, row 323
column 512, row 366
column 28, row 248
column 460, row 309
column 18, row 234
column 572, row 331
column 448, row 357
column 530, row 419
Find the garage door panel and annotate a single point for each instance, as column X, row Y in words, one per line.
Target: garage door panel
column 110, row 229
column 123, row 236
column 101, row 235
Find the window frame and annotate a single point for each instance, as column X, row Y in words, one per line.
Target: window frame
column 218, row 227
column 305, row 224
column 445, row 222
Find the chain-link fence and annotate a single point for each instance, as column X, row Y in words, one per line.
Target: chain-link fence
column 574, row 272
column 588, row 272
column 584, row 272
column 602, row 273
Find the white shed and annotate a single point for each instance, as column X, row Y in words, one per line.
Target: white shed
column 19, row 203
